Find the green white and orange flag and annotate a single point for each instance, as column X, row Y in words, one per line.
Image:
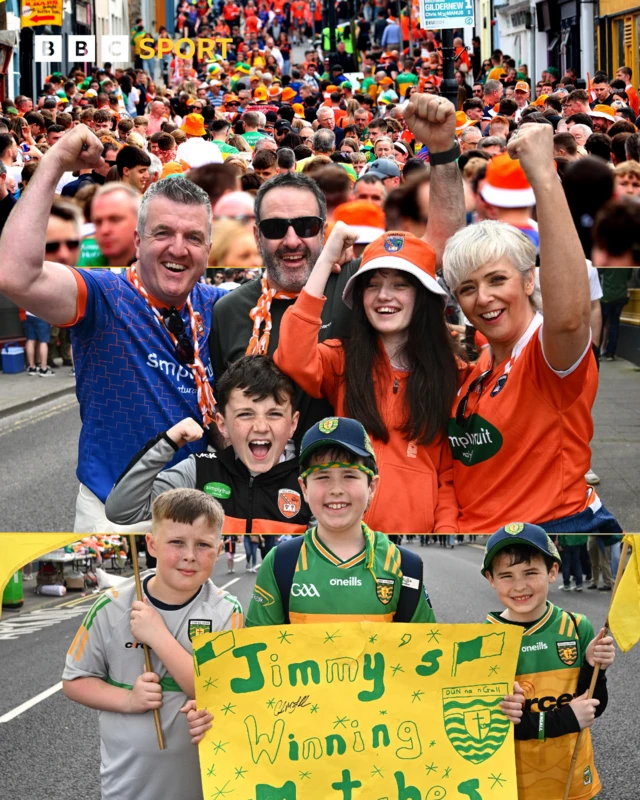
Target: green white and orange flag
column 624, row 614
column 18, row 549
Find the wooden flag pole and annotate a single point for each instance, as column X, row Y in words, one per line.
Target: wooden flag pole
column 147, row 655
column 596, row 669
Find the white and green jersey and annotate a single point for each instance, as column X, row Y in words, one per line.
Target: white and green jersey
column 326, row 588
column 132, row 766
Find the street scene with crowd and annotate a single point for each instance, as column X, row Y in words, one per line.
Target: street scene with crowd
column 342, row 293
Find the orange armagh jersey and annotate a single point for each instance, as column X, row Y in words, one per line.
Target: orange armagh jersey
column 524, row 449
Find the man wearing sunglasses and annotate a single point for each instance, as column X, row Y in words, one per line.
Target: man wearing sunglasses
column 140, row 336
column 290, row 214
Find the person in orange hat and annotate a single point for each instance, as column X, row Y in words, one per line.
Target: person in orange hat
column 507, row 195
column 193, row 125
column 260, row 95
column 366, row 219
column 288, row 94
column 603, row 118
column 463, row 122
column 521, row 424
column 522, row 95
column 396, row 371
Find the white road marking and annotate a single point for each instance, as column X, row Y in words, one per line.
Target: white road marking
column 35, row 621
column 230, row 583
column 15, row 712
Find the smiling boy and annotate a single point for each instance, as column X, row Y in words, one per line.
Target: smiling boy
column 340, row 568
column 555, row 667
column 255, row 479
column 105, row 667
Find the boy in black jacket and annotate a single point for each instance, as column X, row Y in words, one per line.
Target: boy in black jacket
column 255, row 479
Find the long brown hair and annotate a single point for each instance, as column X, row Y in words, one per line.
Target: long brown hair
column 429, row 354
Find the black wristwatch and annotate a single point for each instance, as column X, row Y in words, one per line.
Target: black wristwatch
column 435, row 159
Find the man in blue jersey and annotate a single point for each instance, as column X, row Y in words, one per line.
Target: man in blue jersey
column 140, row 337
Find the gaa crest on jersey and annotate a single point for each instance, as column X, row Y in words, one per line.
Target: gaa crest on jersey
column 328, row 425
column 499, row 385
column 473, row 720
column 384, row 590
column 567, row 652
column 199, row 626
column 289, row 502
column 393, row 243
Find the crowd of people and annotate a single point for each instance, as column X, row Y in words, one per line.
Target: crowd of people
column 315, row 298
column 372, row 211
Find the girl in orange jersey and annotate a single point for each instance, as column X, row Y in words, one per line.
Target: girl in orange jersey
column 521, row 424
column 395, row 373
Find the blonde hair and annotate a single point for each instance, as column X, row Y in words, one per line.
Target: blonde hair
column 240, row 143
column 488, row 242
column 315, row 163
column 225, row 232
column 237, row 162
column 185, row 506
column 358, row 158
column 627, row 168
column 135, row 140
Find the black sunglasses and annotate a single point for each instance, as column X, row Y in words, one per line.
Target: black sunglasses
column 461, row 410
column 53, row 247
column 276, row 227
column 184, row 346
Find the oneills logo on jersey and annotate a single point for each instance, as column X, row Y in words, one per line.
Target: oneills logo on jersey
column 384, row 590
column 289, row 502
column 567, row 652
column 198, row 627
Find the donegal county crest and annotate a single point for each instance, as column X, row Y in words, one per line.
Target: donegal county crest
column 393, row 243
column 289, row 502
column 328, row 425
column 384, row 590
column 473, row 721
column 198, row 627
column 514, row 528
column 567, row 652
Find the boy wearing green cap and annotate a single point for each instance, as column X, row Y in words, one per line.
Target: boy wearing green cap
column 555, row 667
column 340, row 568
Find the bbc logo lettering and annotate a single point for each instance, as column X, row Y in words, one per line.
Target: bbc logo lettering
column 115, row 48
column 48, row 48
column 82, row 48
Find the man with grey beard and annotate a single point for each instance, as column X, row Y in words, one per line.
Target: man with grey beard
column 290, row 223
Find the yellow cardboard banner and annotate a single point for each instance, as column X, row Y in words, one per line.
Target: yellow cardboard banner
column 357, row 711
column 41, row 12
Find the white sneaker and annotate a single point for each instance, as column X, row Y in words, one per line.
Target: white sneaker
column 591, row 478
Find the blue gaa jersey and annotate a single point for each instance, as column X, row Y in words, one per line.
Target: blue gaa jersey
column 130, row 385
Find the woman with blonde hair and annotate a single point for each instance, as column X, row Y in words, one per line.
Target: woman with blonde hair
column 521, row 423
column 349, row 119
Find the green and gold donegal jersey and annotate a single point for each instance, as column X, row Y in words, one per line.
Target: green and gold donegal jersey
column 325, row 588
column 551, row 657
